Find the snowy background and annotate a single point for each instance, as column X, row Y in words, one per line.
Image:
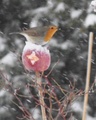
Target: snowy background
column 68, row 51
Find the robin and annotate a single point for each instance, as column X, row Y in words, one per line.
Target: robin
column 39, row 35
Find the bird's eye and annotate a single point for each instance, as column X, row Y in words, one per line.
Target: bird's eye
column 52, row 27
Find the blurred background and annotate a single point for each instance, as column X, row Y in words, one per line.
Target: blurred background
column 68, row 48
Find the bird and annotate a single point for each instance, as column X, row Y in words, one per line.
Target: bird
column 39, row 35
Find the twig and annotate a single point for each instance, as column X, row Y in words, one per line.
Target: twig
column 41, row 96
column 88, row 75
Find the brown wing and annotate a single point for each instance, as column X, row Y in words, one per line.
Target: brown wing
column 36, row 31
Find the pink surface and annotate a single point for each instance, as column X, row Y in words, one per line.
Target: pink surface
column 41, row 64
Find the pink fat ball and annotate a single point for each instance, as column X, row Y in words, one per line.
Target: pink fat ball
column 35, row 57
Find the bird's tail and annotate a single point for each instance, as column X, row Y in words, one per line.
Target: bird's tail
column 14, row 33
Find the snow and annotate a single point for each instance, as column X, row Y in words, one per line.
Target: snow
column 93, row 4
column 28, row 101
column 2, row 44
column 39, row 11
column 2, row 93
column 75, row 13
column 31, row 46
column 50, row 3
column 19, row 43
column 36, row 113
column 33, row 22
column 76, row 106
column 60, row 7
column 65, row 45
column 2, row 110
column 90, row 20
column 9, row 59
column 90, row 118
